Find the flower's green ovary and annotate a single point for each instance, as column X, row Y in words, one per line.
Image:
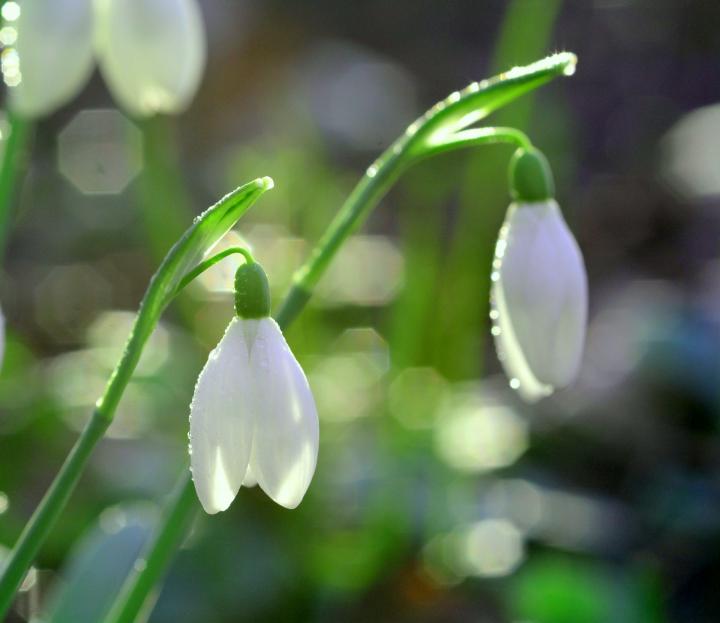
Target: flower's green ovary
column 372, row 186
column 206, row 230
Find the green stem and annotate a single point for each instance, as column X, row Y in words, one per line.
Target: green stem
column 14, row 160
column 183, row 257
column 423, row 138
column 156, row 557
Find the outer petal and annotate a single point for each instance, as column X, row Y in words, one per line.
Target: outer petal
column 151, row 53
column 540, row 293
column 55, row 53
column 285, row 444
column 221, row 421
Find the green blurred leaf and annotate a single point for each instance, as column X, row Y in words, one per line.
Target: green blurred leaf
column 98, row 566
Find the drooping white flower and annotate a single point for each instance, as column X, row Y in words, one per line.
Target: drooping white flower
column 151, row 53
column 52, row 57
column 539, row 295
column 252, row 417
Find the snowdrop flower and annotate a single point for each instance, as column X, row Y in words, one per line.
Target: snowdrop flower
column 539, row 286
column 151, row 53
column 52, row 55
column 252, row 417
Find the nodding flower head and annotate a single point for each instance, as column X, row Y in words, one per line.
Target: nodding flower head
column 252, row 417
column 539, row 286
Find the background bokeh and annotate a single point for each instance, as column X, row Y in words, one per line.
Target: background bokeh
column 438, row 496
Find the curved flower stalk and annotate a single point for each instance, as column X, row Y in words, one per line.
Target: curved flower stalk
column 151, row 53
column 539, row 290
column 252, row 417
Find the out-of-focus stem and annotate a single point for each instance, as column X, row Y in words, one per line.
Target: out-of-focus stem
column 12, row 167
column 164, row 200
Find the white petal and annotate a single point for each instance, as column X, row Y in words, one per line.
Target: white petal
column 249, row 480
column 540, row 293
column 510, row 354
column 221, row 421
column 55, row 53
column 285, row 443
column 151, row 52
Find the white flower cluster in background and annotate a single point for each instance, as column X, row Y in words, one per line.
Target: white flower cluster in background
column 151, row 53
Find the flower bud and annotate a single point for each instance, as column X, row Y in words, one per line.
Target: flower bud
column 53, row 55
column 539, row 299
column 151, row 53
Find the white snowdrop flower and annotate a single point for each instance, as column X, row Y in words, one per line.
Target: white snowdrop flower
column 539, row 286
column 151, row 53
column 253, row 417
column 52, row 56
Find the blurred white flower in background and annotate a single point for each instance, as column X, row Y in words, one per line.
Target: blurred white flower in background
column 151, row 53
column 52, row 56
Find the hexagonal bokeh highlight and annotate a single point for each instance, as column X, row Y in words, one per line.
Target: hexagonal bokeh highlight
column 99, row 152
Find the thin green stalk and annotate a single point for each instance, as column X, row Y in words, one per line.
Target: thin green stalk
column 209, row 263
column 440, row 130
column 182, row 258
column 14, row 160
